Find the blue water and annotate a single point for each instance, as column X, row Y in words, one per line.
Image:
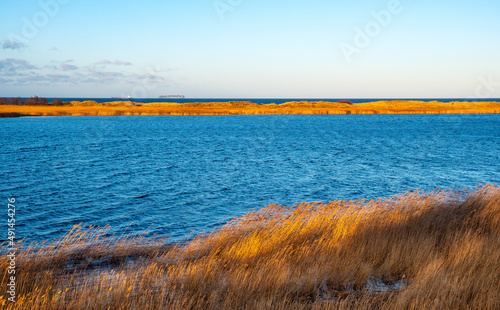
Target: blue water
column 176, row 175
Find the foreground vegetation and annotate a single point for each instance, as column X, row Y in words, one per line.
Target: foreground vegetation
column 417, row 250
column 250, row 108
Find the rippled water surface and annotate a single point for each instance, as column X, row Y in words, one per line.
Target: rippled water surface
column 175, row 175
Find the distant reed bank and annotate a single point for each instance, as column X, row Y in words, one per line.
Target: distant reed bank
column 89, row 107
column 415, row 250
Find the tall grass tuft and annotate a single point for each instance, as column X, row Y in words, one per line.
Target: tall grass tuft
column 416, row 250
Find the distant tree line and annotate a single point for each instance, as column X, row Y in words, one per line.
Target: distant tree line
column 31, row 101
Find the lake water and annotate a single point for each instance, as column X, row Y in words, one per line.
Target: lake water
column 174, row 175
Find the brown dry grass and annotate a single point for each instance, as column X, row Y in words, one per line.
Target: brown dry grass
column 233, row 108
column 417, row 250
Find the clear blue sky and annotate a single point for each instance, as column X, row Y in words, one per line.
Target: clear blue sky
column 249, row 48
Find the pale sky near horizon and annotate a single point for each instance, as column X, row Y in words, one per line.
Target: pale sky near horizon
column 250, row 48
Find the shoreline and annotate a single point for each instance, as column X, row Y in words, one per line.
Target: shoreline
column 122, row 108
column 419, row 249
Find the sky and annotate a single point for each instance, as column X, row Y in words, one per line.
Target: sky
column 250, row 48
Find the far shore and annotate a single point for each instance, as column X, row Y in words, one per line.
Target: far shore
column 115, row 108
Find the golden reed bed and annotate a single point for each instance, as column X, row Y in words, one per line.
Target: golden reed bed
column 417, row 250
column 237, row 108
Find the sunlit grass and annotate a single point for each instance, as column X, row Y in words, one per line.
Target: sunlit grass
column 417, row 250
column 248, row 108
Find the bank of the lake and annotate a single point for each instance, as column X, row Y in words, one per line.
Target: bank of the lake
column 419, row 250
column 93, row 108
